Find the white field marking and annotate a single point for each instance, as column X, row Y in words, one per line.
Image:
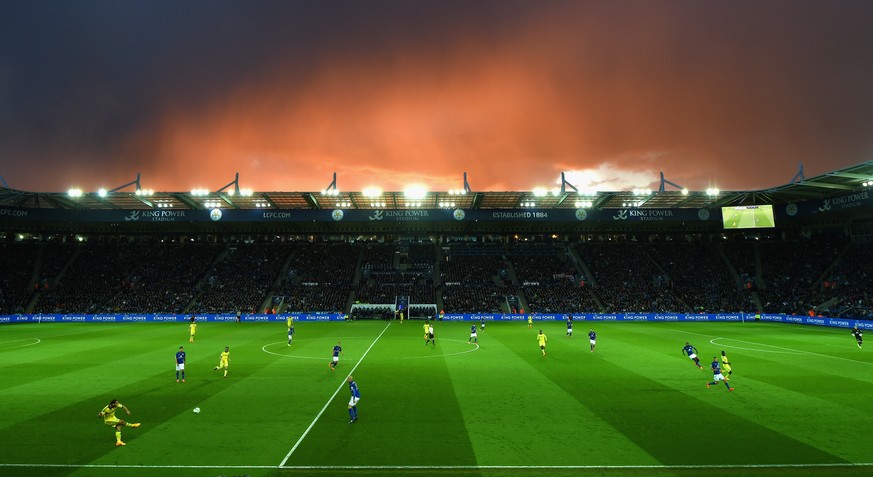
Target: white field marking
column 317, row 417
column 38, row 341
column 777, row 351
column 795, row 351
column 264, row 349
column 443, row 467
column 444, row 354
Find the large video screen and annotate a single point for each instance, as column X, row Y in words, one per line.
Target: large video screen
column 748, row 217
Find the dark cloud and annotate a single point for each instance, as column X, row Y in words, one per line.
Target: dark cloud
column 731, row 94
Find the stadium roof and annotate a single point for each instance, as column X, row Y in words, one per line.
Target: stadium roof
column 826, row 185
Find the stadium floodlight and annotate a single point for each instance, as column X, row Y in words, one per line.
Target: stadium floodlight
column 415, row 192
column 135, row 183
column 712, row 192
column 664, row 182
column 74, row 192
column 372, row 192
column 236, row 190
column 331, row 188
column 101, row 192
column 467, row 188
column 565, row 185
column 540, row 191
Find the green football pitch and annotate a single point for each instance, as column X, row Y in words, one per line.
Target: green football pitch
column 743, row 218
column 636, row 406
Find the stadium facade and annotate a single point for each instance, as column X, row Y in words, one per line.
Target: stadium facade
column 793, row 249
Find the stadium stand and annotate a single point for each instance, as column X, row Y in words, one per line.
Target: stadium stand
column 822, row 274
column 791, row 270
column 319, row 276
column 243, row 279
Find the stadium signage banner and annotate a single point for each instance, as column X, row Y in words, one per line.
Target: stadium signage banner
column 14, row 214
column 309, row 317
column 662, row 317
column 151, row 318
column 824, row 206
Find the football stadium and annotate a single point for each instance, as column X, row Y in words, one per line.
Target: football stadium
column 233, row 332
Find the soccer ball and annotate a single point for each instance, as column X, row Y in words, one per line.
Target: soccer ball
column 196, row 410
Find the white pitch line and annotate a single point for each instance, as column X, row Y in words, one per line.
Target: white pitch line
column 796, row 351
column 442, row 467
column 443, row 355
column 776, row 351
column 312, row 424
column 38, row 341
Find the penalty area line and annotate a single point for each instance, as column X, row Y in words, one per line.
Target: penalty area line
column 317, row 417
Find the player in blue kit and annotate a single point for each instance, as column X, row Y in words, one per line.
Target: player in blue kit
column 570, row 326
column 592, row 339
column 473, row 337
column 353, row 401
column 691, row 351
column 717, row 376
column 337, row 350
column 180, row 364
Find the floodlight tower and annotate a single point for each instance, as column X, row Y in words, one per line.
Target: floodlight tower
column 135, row 182
column 799, row 177
column 331, row 188
column 664, row 182
column 565, row 185
column 3, row 181
column 234, row 183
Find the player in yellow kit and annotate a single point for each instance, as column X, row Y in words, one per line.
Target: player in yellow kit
column 426, row 329
column 223, row 361
column 541, row 339
column 108, row 415
column 192, row 329
column 726, row 364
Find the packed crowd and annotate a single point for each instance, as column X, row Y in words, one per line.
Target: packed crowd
column 791, row 272
column 847, row 285
column 319, row 276
column 550, row 281
column 823, row 274
column 628, row 280
column 700, row 277
column 243, row 279
column 15, row 290
column 475, row 277
column 390, row 271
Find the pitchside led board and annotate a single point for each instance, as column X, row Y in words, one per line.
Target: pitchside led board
column 748, row 217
